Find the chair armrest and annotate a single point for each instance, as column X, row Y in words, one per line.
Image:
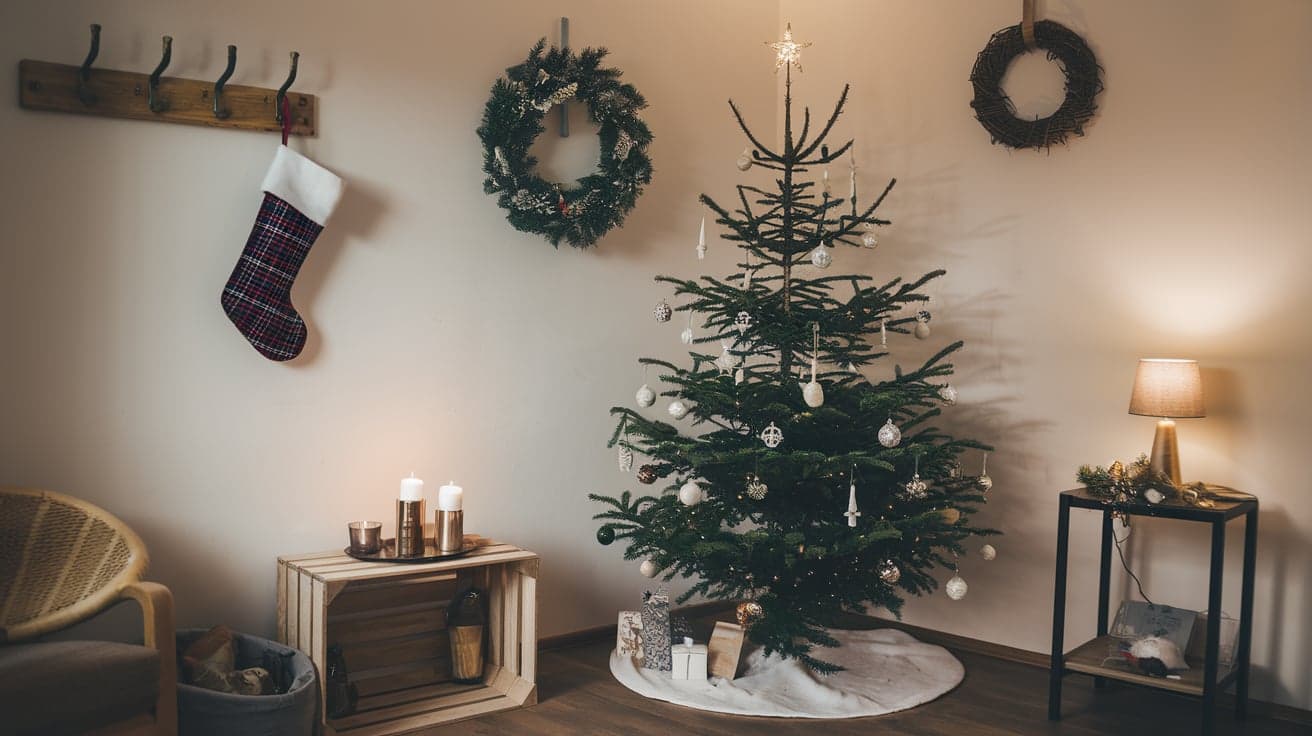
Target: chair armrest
column 157, row 614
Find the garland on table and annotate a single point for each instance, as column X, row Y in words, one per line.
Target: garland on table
column 512, row 120
column 994, row 109
column 1119, row 484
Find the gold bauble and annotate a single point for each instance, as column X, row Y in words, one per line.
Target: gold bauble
column 1116, row 470
column 748, row 613
column 950, row 515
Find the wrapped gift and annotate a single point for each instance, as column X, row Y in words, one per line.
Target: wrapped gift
column 725, row 649
column 628, row 634
column 656, row 631
column 688, row 661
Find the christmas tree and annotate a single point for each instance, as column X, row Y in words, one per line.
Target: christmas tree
column 806, row 488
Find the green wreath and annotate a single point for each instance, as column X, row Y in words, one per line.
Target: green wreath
column 512, row 120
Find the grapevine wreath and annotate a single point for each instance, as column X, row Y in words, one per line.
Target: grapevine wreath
column 512, row 120
column 994, row 108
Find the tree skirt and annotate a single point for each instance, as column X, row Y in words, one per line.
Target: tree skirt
column 886, row 670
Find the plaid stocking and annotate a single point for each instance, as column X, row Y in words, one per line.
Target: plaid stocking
column 299, row 195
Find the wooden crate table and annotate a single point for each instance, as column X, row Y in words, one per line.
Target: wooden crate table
column 390, row 621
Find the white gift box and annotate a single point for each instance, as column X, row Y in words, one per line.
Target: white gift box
column 688, row 660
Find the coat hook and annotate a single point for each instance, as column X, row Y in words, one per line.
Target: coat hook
column 157, row 103
column 84, row 74
column 282, row 91
column 219, row 111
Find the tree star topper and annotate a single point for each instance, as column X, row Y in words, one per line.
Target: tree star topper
column 788, row 51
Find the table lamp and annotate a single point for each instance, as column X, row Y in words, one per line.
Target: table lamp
column 1169, row 389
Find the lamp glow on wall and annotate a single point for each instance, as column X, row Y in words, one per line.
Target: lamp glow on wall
column 1170, row 389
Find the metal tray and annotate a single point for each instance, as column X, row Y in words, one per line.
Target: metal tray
column 431, row 553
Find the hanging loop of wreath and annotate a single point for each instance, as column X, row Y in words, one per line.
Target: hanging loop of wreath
column 994, row 109
column 512, row 119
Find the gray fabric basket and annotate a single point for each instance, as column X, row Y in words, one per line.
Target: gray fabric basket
column 204, row 712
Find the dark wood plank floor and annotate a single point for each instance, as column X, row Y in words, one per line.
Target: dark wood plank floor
column 579, row 696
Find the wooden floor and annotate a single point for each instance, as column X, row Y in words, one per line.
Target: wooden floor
column 579, row 696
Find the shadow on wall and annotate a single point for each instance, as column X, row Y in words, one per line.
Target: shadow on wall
column 361, row 209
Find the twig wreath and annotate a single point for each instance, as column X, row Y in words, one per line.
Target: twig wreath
column 512, row 120
column 994, row 108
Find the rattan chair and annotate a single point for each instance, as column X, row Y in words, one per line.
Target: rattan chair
column 62, row 561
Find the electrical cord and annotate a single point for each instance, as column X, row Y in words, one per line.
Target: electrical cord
column 1121, row 553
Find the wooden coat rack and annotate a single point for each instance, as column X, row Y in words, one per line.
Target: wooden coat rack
column 86, row 90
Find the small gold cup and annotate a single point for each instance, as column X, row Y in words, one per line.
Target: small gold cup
column 409, row 528
column 366, row 536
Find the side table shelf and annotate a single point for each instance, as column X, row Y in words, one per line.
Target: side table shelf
column 1205, row 678
column 390, row 621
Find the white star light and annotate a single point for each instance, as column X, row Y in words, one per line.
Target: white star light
column 788, row 51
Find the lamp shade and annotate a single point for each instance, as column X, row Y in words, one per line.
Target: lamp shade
column 1167, row 388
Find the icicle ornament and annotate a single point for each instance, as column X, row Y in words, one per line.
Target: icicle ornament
column 701, row 241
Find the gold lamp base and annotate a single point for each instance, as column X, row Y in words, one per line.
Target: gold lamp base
column 1165, row 457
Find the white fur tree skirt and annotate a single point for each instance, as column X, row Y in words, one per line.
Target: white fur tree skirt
column 886, row 671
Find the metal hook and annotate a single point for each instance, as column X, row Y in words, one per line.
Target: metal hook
column 219, row 111
column 282, row 91
column 157, row 103
column 84, row 74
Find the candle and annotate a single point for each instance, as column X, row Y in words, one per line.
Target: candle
column 825, row 182
column 412, row 489
column 450, row 497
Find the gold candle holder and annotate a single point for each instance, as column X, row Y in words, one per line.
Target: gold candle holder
column 450, row 530
column 366, row 536
column 409, row 528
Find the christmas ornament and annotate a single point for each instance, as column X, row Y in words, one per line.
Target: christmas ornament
column 625, row 457
column 512, row 120
column 922, row 325
column 988, row 552
column 1154, row 496
column 889, row 435
column 747, row 270
column 984, row 481
column 739, row 375
column 606, row 535
column 950, row 515
column 299, row 196
column 743, row 321
column 954, row 470
column 647, row 474
column 745, row 161
column 678, row 409
column 852, row 511
column 645, row 396
column 916, row 488
column 686, row 336
column 868, row 238
column 748, row 613
column 813, row 393
column 772, row 436
column 889, row 572
column 648, row 569
column 787, row 51
column 948, row 394
column 690, row 494
column 756, row 489
column 701, row 241
column 956, row 587
column 726, row 360
column 824, row 184
column 883, row 336
column 662, row 312
column 821, row 257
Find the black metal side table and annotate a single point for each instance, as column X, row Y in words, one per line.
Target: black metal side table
column 1088, row 657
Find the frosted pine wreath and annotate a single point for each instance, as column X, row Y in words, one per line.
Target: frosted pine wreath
column 512, row 120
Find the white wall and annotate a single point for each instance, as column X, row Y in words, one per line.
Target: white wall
column 1178, row 227
column 444, row 342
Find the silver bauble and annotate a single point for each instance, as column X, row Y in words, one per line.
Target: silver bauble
column 922, row 331
column 948, row 394
column 690, row 494
column 645, row 396
column 956, row 588
column 813, row 394
column 869, row 239
column 889, row 434
column 889, row 572
column 984, row 482
column 648, row 569
column 662, row 312
column 988, row 552
column 678, row 409
column 917, row 488
column 821, row 257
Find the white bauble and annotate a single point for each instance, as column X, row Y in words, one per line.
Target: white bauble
column 956, row 588
column 745, row 161
column 645, row 396
column 948, row 394
column 922, row 330
column 889, row 435
column 869, row 239
column 726, row 361
column 988, row 552
column 821, row 257
column 690, row 494
column 813, row 394
column 648, row 569
column 678, row 409
column 1154, row 496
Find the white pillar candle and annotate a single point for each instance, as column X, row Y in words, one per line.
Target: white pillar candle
column 412, row 489
column 825, row 182
column 450, row 497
